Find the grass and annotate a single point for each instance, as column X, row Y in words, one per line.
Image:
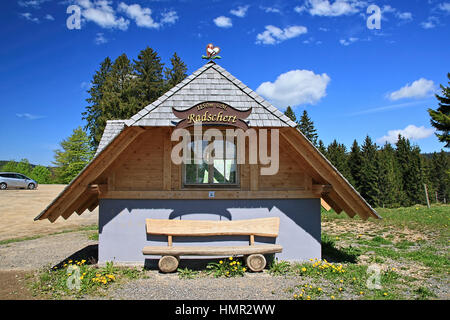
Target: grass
column 409, row 245
column 83, row 228
column 75, row 279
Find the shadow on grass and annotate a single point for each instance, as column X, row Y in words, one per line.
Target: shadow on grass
column 333, row 254
column 88, row 253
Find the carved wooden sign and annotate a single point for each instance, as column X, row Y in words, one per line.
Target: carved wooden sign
column 212, row 113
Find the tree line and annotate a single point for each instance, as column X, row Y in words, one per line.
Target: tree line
column 386, row 176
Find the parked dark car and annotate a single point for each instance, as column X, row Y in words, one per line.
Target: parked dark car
column 9, row 180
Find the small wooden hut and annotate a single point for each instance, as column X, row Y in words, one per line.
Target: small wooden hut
column 132, row 178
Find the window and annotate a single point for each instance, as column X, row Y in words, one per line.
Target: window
column 218, row 169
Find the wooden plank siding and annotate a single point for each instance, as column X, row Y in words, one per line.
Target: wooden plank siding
column 146, row 166
column 137, row 165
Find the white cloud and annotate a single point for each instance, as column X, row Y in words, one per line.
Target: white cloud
column 294, row 88
column 430, row 23
column 29, row 17
column 49, row 17
column 240, row 12
column 418, row 89
column 142, row 16
column 31, row 3
column 169, row 17
column 100, row 39
column 445, row 6
column 270, row 9
column 29, row 116
column 347, row 42
column 223, row 22
column 87, row 85
column 331, row 8
column 404, row 15
column 101, row 13
column 410, row 132
column 274, row 35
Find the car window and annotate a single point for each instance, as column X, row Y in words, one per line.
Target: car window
column 19, row 176
column 8, row 175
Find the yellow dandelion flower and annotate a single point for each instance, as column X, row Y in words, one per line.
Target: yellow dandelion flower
column 231, row 258
column 308, row 297
column 332, row 297
column 361, row 292
column 295, row 295
column 303, row 269
column 244, row 269
column 385, row 294
column 341, row 281
column 220, row 261
column 319, row 289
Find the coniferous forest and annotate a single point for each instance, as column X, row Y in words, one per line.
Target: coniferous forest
column 389, row 175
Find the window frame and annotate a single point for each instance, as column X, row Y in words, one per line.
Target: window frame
column 209, row 185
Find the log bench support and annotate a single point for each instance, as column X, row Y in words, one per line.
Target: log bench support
column 253, row 254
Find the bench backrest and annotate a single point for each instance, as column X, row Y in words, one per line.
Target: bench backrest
column 264, row 227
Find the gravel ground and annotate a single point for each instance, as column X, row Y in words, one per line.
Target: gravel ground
column 261, row 286
column 45, row 251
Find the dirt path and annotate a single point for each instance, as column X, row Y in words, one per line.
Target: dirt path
column 13, row 286
column 18, row 208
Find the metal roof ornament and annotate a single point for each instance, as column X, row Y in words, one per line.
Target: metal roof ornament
column 211, row 52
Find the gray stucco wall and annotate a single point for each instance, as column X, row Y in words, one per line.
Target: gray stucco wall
column 122, row 232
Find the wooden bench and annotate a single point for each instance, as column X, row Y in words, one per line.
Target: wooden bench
column 253, row 254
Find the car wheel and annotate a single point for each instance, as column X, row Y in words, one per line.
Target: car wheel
column 31, row 186
column 3, row 186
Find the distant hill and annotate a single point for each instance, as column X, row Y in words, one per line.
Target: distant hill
column 3, row 162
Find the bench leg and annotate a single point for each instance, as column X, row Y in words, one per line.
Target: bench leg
column 168, row 263
column 256, row 262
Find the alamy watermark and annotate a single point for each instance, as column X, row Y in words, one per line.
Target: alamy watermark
column 192, row 149
column 74, row 20
column 374, row 20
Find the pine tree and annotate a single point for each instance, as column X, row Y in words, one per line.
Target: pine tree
column 440, row 118
column 322, row 148
column 354, row 165
column 149, row 72
column 93, row 110
column 389, row 178
column 306, row 126
column 440, row 175
column 290, row 114
column 369, row 172
column 73, row 156
column 120, row 92
column 409, row 161
column 176, row 74
column 336, row 153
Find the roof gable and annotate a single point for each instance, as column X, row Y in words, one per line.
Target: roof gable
column 210, row 83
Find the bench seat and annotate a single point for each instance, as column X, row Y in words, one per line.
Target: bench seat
column 253, row 253
column 212, row 250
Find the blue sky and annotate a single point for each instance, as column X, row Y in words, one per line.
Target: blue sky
column 317, row 55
